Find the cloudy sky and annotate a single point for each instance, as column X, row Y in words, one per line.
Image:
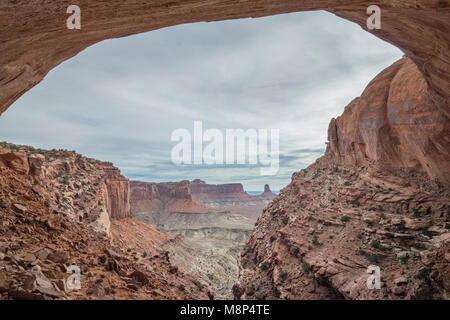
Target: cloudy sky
column 121, row 99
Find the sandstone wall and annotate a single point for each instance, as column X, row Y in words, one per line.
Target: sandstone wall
column 118, row 192
column 203, row 191
column 395, row 124
column 164, row 198
column 83, row 189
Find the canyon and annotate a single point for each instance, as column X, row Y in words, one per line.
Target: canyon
column 213, row 221
column 379, row 195
column 85, row 213
column 59, row 209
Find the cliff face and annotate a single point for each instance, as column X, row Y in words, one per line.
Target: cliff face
column 164, row 198
column 231, row 198
column 395, row 124
column 368, row 201
column 55, row 210
column 319, row 236
column 118, row 190
column 83, row 189
column 203, row 192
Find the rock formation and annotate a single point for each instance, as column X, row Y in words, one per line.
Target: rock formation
column 367, row 201
column 209, row 238
column 395, row 124
column 164, row 198
column 204, row 192
column 59, row 209
column 82, row 188
column 267, row 194
column 35, row 39
column 231, row 197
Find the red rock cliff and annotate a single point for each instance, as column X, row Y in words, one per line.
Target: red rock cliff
column 202, row 191
column 164, row 198
column 395, row 124
column 83, row 188
column 51, row 202
column 118, row 188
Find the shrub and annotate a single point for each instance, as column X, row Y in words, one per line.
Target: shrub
column 264, row 265
column 372, row 258
column 401, row 226
column 423, row 274
column 345, row 218
column 306, row 268
column 315, row 241
column 404, row 259
column 377, row 245
column 260, row 296
column 427, row 232
column 283, row 275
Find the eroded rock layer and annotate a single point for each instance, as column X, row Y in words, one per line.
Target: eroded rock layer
column 395, row 124
column 231, row 197
column 368, row 201
column 208, row 239
column 59, row 209
column 83, row 189
column 318, row 237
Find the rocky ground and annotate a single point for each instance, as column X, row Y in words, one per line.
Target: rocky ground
column 318, row 237
column 51, row 206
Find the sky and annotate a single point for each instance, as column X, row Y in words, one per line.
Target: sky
column 121, row 99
